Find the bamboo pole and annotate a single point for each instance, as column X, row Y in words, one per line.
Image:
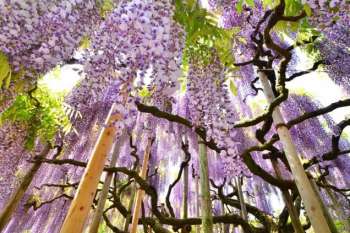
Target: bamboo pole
column 312, row 206
column 207, row 216
column 17, row 196
column 140, row 192
column 298, row 228
column 107, row 182
column 81, row 204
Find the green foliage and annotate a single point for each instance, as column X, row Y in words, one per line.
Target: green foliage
column 302, row 28
column 85, row 43
column 240, row 3
column 42, row 113
column 144, row 92
column 233, row 88
column 203, row 36
column 102, row 228
column 341, row 225
column 5, row 72
column 106, row 6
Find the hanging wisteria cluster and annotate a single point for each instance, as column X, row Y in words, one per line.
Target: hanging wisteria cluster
column 142, row 55
column 38, row 35
column 206, row 87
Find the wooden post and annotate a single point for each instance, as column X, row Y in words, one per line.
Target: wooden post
column 207, row 216
column 244, row 213
column 140, row 192
column 185, row 190
column 312, row 206
column 131, row 202
column 197, row 201
column 81, row 204
column 107, row 182
column 298, row 228
column 185, row 193
column 17, row 196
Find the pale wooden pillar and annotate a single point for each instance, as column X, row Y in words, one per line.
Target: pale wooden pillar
column 244, row 213
column 197, row 201
column 107, row 182
column 206, row 213
column 185, row 187
column 81, row 204
column 312, row 206
column 287, row 198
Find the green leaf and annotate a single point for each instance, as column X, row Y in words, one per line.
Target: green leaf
column 250, row 3
column 233, row 88
column 85, row 42
column 106, row 7
column 144, row 92
column 269, row 3
column 307, row 9
column 239, row 6
column 5, row 70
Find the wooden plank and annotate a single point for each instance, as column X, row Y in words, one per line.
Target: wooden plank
column 81, row 204
column 140, row 192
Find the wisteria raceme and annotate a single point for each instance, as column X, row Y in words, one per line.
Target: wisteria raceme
column 38, row 35
column 212, row 108
column 141, row 32
column 302, row 133
column 12, row 153
column 337, row 59
column 131, row 49
column 332, row 19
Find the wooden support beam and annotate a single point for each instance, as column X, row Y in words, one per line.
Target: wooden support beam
column 140, row 193
column 197, row 201
column 107, row 182
column 81, row 204
column 185, row 186
column 312, row 205
column 207, row 214
column 287, row 198
column 244, row 213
